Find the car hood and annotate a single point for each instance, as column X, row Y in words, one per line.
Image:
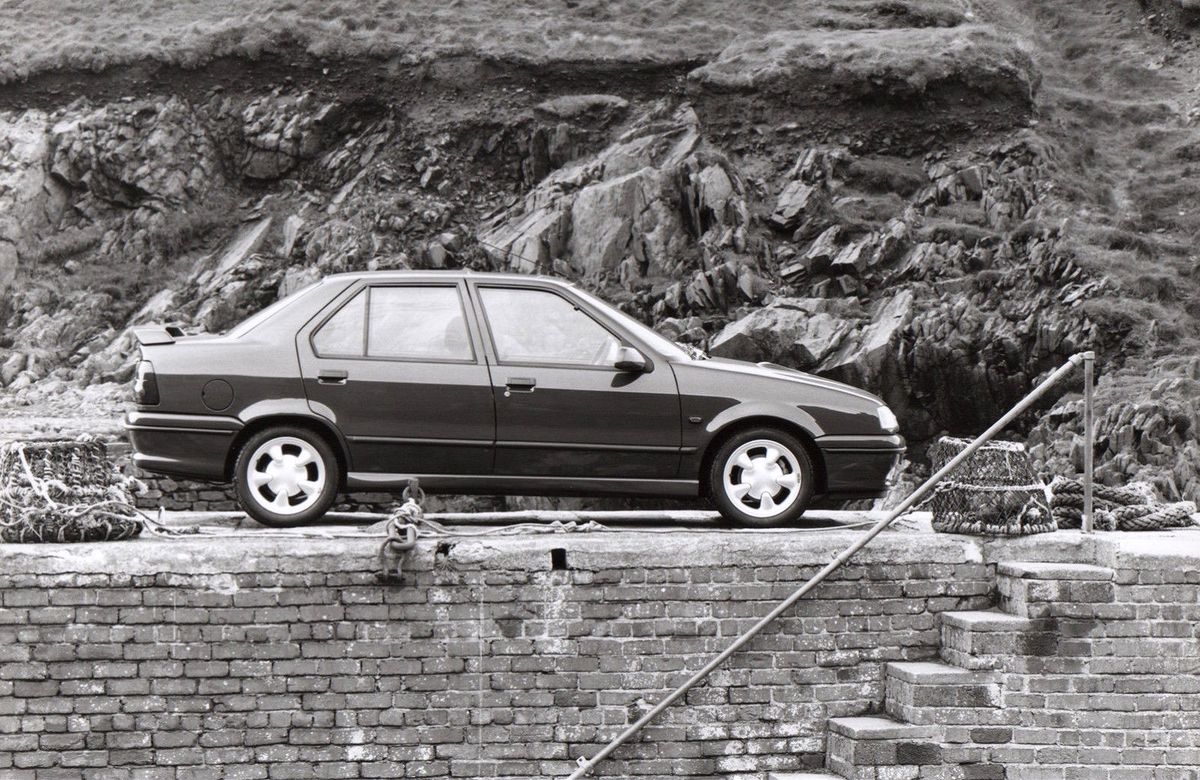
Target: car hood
column 776, row 371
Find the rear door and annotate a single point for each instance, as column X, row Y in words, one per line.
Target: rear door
column 562, row 409
column 399, row 368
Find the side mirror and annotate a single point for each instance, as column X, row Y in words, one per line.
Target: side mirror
column 629, row 359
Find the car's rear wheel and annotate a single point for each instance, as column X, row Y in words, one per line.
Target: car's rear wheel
column 761, row 477
column 286, row 476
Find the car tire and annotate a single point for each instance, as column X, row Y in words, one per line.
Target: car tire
column 286, row 476
column 761, row 477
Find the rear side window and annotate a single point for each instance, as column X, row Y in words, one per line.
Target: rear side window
column 342, row 334
column 398, row 323
column 417, row 323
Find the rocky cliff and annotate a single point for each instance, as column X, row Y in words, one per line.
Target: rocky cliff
column 909, row 207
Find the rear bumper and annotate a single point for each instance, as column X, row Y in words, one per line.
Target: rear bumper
column 858, row 466
column 181, row 445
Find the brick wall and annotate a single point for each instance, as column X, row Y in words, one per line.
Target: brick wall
column 285, row 658
column 264, row 658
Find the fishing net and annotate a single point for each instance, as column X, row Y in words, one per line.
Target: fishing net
column 994, row 492
column 63, row 491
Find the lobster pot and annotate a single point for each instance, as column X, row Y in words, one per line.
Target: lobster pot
column 994, row 492
column 63, row 491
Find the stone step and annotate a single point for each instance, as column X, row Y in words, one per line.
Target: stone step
column 929, row 693
column 801, row 776
column 1045, row 590
column 989, row 639
column 861, row 748
column 1035, row 570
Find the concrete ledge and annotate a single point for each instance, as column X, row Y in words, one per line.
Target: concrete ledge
column 344, row 548
column 334, row 547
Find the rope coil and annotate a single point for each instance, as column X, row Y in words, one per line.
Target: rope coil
column 1130, row 508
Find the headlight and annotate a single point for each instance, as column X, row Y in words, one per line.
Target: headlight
column 887, row 420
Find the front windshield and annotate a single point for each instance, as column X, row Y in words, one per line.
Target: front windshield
column 658, row 342
column 252, row 322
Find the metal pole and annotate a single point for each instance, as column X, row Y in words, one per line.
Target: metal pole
column 1089, row 438
column 586, row 765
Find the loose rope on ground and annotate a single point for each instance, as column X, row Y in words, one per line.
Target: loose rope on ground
column 1131, row 508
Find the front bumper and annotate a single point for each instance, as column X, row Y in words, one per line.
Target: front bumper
column 858, row 466
column 181, row 445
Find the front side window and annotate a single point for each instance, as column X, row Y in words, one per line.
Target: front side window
column 537, row 326
column 398, row 323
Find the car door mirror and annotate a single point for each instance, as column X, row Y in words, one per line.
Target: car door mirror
column 629, row 359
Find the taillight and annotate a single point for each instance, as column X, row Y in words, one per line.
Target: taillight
column 145, row 385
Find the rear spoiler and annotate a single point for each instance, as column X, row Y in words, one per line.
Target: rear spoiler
column 157, row 334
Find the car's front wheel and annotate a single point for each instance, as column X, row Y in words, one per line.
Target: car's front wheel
column 286, row 476
column 761, row 477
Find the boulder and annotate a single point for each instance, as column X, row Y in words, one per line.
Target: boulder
column 854, row 257
column 866, row 358
column 796, row 332
column 297, row 278
column 528, row 244
column 13, row 365
column 31, row 201
column 573, row 106
column 798, row 203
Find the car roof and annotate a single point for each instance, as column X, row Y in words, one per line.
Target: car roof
column 458, row 273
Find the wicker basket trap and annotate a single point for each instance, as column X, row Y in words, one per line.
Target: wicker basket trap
column 63, row 491
column 994, row 492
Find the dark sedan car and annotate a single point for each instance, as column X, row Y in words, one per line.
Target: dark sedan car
column 487, row 383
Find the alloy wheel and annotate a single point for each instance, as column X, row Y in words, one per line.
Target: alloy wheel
column 762, row 478
column 286, row 475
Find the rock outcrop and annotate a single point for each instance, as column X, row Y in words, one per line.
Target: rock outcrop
column 1151, row 437
column 945, row 282
column 147, row 156
column 636, row 209
column 31, row 201
column 281, row 131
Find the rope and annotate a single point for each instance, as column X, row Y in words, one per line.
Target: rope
column 1131, row 508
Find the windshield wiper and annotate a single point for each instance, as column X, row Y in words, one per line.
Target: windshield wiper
column 694, row 352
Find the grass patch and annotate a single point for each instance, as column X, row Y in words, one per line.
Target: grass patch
column 869, row 62
column 41, row 35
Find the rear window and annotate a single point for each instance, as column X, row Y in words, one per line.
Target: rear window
column 249, row 324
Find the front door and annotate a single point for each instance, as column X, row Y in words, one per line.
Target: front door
column 562, row 409
column 400, row 371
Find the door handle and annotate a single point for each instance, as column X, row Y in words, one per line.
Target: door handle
column 519, row 384
column 332, row 376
